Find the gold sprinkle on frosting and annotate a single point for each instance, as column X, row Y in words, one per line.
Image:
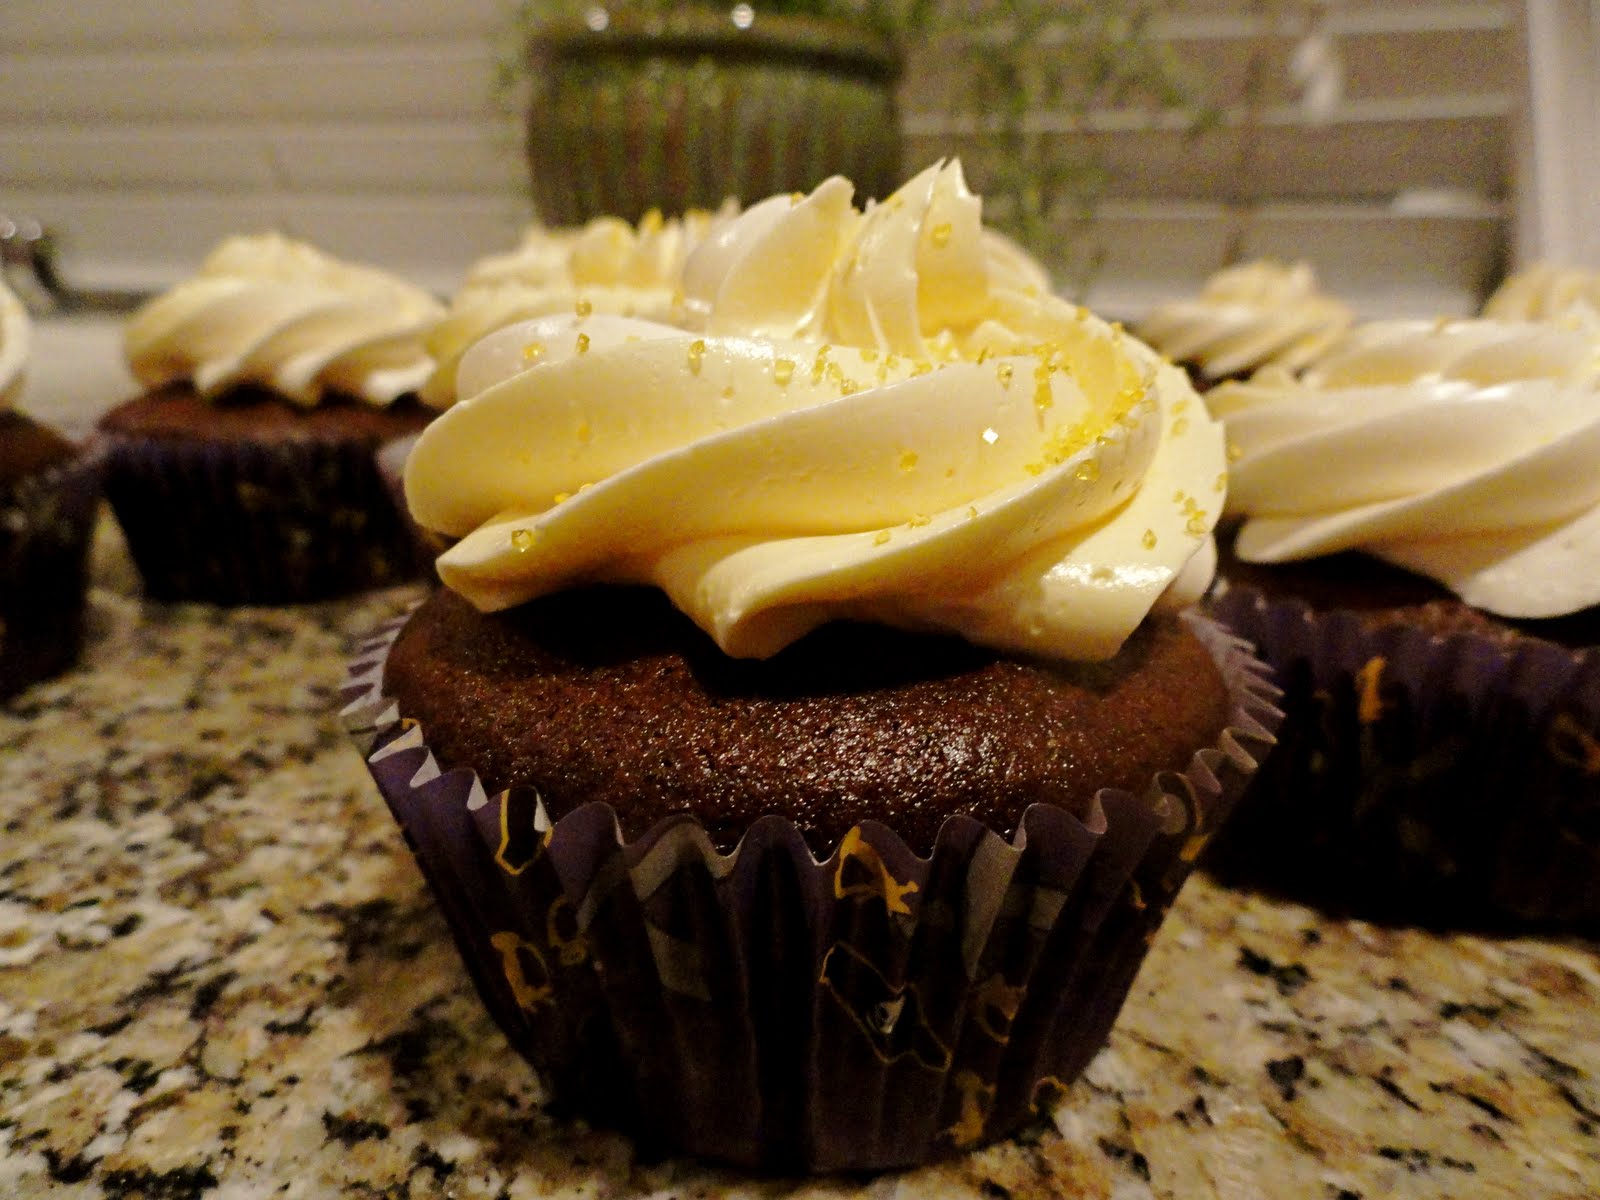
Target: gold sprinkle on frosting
column 584, row 308
column 697, row 351
column 1148, row 541
column 583, row 343
column 522, row 540
column 941, row 234
column 783, row 371
column 881, row 538
column 908, row 460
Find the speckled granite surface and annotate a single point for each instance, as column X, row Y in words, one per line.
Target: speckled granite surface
column 221, row 976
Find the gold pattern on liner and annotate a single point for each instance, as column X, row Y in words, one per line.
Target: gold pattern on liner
column 511, row 949
column 1369, row 682
column 883, row 884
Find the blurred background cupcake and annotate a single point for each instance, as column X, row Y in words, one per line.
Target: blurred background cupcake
column 808, row 742
column 1418, row 552
column 245, row 472
column 1256, row 314
column 49, row 499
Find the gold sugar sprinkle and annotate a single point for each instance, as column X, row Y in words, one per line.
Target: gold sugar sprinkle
column 880, row 538
column 1088, row 471
column 583, row 343
column 919, row 520
column 522, row 540
column 1179, row 407
column 1197, row 523
column 1148, row 541
column 1234, row 453
column 533, row 352
column 1180, row 427
column 697, row 351
column 727, row 392
column 819, row 364
column 1221, row 485
column 1004, row 371
column 941, row 234
column 908, row 460
column 868, row 354
column 584, row 308
column 783, row 371
column 972, row 512
column 1177, row 496
column 561, row 497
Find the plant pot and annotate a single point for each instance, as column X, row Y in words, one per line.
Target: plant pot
column 681, row 110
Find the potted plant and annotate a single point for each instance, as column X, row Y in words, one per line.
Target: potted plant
column 641, row 104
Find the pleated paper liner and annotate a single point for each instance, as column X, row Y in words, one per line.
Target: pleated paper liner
column 874, row 1010
column 1443, row 780
column 47, row 522
column 256, row 523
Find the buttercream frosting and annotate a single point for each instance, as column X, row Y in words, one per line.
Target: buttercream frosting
column 606, row 265
column 16, row 332
column 1544, row 292
column 1256, row 314
column 1465, row 451
column 266, row 310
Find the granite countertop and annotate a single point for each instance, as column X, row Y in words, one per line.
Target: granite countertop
column 221, row 976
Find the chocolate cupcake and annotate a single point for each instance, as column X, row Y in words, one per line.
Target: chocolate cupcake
column 1419, row 556
column 807, row 745
column 1253, row 315
column 49, row 499
column 245, row 473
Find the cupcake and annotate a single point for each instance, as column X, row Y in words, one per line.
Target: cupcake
column 1419, row 556
column 807, row 743
column 1545, row 292
column 245, row 473
column 1246, row 317
column 49, row 499
column 607, row 265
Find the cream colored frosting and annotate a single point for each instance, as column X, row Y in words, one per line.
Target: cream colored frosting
column 16, row 334
column 1248, row 316
column 917, row 274
column 1545, row 292
column 1465, row 451
column 278, row 313
column 604, row 266
column 1038, row 502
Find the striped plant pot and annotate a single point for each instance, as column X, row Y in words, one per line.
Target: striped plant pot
column 683, row 110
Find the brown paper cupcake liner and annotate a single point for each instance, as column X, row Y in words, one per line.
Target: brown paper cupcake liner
column 256, row 523
column 872, row 1010
column 1445, row 780
column 47, row 522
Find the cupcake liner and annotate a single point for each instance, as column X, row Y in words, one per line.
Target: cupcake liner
column 872, row 1010
column 47, row 522
column 255, row 523
column 1447, row 780
column 426, row 545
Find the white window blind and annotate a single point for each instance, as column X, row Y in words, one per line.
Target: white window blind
column 1397, row 187
column 144, row 131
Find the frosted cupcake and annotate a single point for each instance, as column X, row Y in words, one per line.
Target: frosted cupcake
column 1419, row 555
column 606, row 266
column 1246, row 317
column 1545, row 292
column 245, row 472
column 49, row 497
column 807, row 742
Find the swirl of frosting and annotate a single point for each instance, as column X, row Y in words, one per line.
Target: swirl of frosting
column 16, row 332
column 281, row 314
column 604, row 266
column 1038, row 499
column 1545, row 292
column 1464, row 451
column 1249, row 316
column 917, row 274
